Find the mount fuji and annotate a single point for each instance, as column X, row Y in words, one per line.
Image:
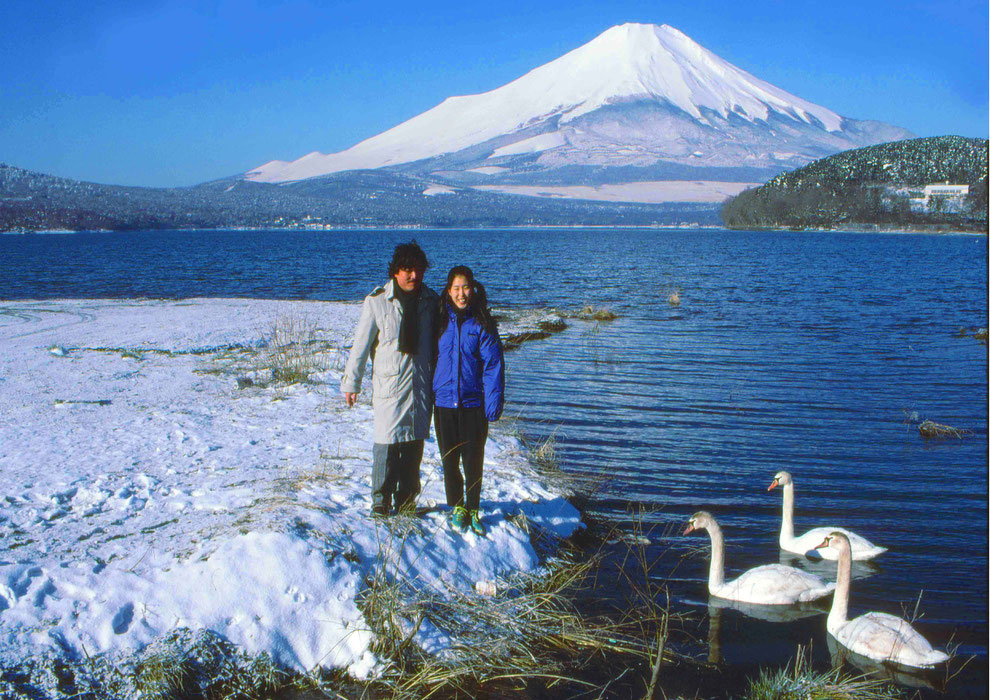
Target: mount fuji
column 637, row 106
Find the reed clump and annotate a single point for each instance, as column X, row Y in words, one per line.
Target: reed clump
column 544, row 453
column 800, row 682
column 979, row 334
column 295, row 351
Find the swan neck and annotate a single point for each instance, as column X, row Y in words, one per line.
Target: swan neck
column 716, row 573
column 787, row 521
column 838, row 615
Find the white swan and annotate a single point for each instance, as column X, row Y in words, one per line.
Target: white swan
column 875, row 635
column 862, row 548
column 771, row 584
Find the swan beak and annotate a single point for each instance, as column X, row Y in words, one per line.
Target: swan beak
column 823, row 544
column 773, row 484
column 689, row 529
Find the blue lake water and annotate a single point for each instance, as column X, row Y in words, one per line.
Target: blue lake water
column 815, row 353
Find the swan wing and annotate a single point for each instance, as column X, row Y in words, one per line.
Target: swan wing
column 884, row 637
column 862, row 548
column 775, row 584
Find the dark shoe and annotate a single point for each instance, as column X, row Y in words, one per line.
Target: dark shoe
column 380, row 511
column 459, row 519
column 476, row 526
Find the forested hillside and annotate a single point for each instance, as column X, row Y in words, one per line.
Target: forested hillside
column 873, row 186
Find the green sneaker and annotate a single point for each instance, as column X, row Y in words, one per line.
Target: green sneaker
column 459, row 519
column 476, row 526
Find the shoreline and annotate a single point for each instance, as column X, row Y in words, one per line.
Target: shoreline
column 934, row 229
column 562, row 227
column 185, row 488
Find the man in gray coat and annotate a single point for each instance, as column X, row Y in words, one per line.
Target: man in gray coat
column 396, row 331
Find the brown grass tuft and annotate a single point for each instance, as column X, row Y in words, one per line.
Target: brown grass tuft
column 590, row 313
column 931, row 429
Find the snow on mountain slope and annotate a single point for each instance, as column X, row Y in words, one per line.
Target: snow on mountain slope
column 539, row 112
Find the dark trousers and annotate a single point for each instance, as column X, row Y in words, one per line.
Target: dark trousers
column 461, row 436
column 395, row 473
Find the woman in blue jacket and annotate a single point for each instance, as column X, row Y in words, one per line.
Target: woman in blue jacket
column 468, row 389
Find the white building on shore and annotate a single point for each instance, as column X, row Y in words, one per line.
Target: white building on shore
column 942, row 198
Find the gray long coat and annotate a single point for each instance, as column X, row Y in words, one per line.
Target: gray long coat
column 402, row 385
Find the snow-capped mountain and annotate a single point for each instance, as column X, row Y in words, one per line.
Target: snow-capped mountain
column 644, row 101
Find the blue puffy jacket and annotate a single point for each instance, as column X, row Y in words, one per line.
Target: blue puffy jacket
column 470, row 371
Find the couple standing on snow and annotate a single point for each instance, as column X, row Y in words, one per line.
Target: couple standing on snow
column 431, row 355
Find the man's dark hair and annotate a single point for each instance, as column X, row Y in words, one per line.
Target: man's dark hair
column 407, row 256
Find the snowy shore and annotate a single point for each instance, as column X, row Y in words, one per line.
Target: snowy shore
column 157, row 473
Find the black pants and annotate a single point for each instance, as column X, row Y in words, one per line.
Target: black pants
column 461, row 435
column 395, row 472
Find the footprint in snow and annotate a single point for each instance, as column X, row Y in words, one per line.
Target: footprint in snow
column 122, row 620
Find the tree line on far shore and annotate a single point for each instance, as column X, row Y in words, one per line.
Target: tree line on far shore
column 31, row 201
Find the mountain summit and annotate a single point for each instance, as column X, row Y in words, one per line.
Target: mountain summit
column 643, row 101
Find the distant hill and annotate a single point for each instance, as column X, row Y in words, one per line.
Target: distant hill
column 31, row 201
column 881, row 185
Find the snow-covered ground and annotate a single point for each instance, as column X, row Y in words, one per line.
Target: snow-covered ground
column 154, row 477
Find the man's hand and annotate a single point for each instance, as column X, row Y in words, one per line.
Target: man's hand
column 350, row 399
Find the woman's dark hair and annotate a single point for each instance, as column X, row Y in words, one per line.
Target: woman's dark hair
column 477, row 304
column 407, row 256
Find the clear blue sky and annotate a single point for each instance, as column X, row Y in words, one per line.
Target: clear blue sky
column 178, row 92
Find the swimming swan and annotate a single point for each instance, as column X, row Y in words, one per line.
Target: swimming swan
column 771, row 584
column 875, row 635
column 862, row 548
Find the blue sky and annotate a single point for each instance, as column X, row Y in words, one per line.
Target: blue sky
column 179, row 92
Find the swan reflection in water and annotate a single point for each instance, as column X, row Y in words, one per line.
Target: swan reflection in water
column 770, row 613
column 767, row 613
column 910, row 677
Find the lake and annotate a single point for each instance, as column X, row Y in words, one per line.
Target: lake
column 818, row 353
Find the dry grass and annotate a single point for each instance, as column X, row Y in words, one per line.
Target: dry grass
column 182, row 664
column 162, row 675
column 292, row 351
column 527, row 632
